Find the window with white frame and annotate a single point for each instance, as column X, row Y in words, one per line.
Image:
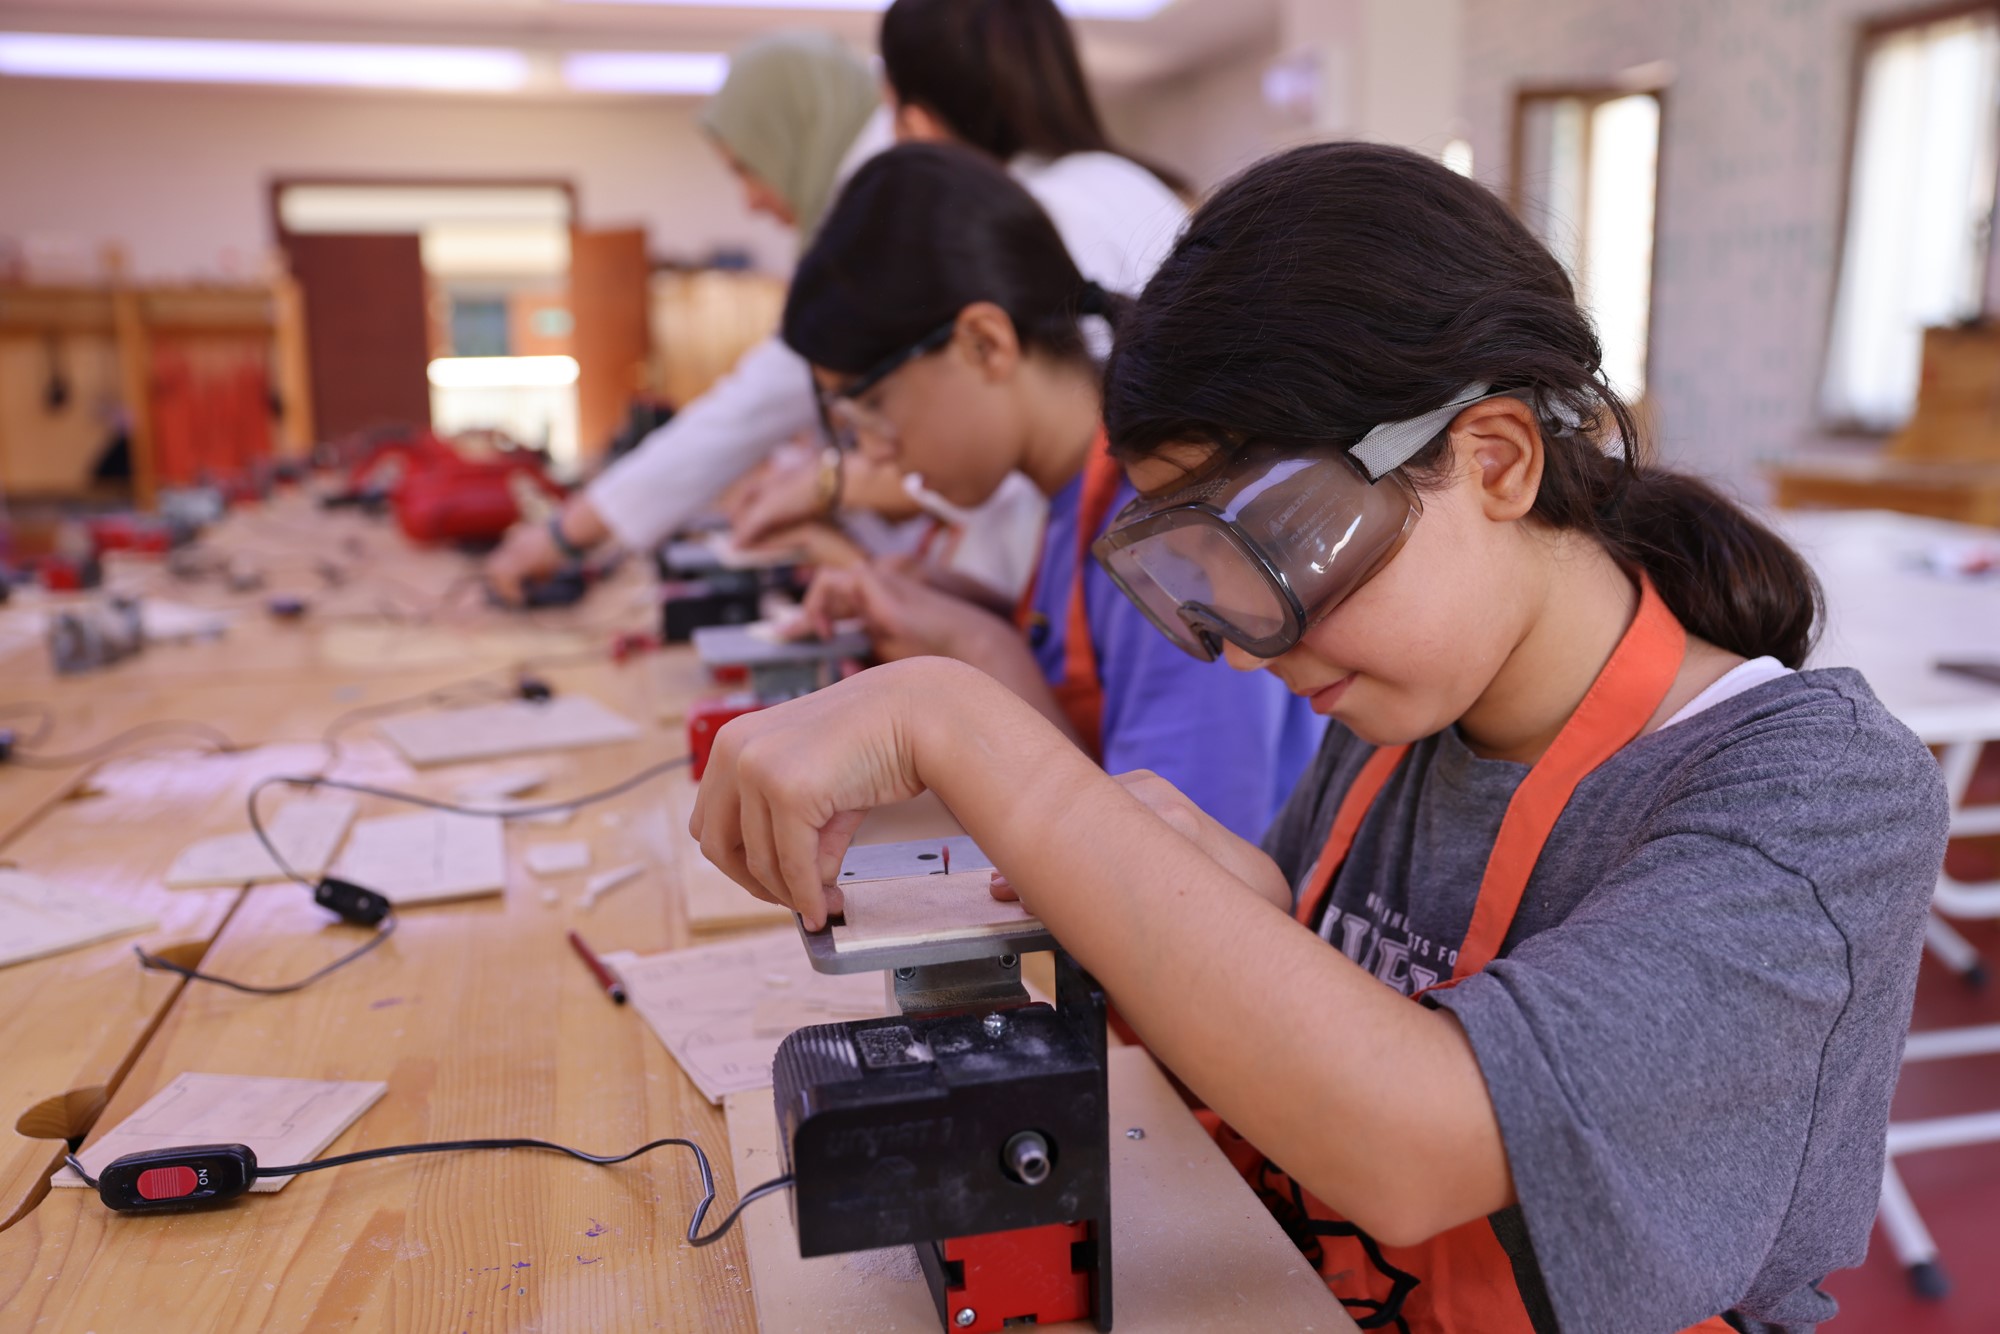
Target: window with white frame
column 1586, row 181
column 1919, row 211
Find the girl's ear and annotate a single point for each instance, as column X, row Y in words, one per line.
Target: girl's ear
column 1500, row 444
column 985, row 337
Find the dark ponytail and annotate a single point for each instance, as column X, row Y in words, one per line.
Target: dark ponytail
column 920, row 233
column 1003, row 76
column 1334, row 287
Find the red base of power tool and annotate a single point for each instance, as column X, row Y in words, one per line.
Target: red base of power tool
column 1030, row 1276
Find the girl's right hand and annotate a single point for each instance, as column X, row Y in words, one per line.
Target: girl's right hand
column 786, row 786
column 527, row 552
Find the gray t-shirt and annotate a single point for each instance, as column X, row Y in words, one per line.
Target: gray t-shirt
column 1696, row 1022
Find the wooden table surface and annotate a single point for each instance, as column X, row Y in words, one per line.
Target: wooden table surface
column 476, row 1014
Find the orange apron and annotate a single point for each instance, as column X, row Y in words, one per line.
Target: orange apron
column 1462, row 1281
column 1080, row 693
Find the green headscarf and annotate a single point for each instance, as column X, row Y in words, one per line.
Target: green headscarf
column 789, row 111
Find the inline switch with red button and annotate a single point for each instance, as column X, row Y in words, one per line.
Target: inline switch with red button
column 185, row 1178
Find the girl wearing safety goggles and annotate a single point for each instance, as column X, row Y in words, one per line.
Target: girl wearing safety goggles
column 1568, row 990
column 946, row 325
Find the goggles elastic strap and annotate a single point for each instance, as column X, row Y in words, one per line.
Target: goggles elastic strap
column 1392, row 444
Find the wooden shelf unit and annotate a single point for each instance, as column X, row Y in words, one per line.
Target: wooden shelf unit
column 103, row 339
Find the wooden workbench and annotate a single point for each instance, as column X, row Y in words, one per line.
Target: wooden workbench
column 476, row 1014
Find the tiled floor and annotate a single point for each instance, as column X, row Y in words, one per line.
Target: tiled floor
column 1956, row 1190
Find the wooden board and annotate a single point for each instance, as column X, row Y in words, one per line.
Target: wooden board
column 1192, row 1248
column 517, row 727
column 710, row 899
column 714, row 902
column 925, row 907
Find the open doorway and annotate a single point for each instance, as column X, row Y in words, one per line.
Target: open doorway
column 439, row 303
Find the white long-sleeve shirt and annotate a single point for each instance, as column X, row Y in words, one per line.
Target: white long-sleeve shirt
column 1118, row 222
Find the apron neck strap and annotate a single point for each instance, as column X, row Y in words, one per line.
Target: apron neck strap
column 1080, row 692
column 1616, row 708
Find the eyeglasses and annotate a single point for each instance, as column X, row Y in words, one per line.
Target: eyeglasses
column 841, row 413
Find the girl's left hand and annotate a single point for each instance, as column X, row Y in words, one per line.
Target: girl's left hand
column 786, row 786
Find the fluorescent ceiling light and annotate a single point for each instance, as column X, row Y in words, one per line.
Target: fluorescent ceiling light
column 327, row 207
column 1076, row 9
column 695, row 73
column 502, row 372
column 181, row 60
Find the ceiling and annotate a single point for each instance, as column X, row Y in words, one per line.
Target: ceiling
column 1118, row 53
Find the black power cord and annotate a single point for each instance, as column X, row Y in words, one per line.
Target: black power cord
column 195, row 1177
column 156, row 964
column 565, row 804
column 357, row 903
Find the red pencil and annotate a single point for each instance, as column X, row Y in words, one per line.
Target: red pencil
column 605, row 978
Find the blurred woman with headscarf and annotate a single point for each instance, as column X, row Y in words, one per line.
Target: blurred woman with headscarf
column 798, row 114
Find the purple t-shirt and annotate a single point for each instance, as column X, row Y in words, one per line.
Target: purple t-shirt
column 1234, row 742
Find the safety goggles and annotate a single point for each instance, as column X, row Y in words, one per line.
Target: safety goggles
column 1258, row 547
column 842, row 413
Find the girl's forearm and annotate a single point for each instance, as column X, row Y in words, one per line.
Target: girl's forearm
column 997, row 649
column 1373, row 1102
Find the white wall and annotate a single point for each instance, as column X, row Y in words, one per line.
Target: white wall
column 179, row 173
column 1752, row 161
column 1389, row 69
column 1207, row 125
column 1385, row 70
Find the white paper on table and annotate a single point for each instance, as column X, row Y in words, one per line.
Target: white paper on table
column 558, row 858
column 283, row 1120
column 306, row 831
column 426, row 857
column 516, row 727
column 722, row 1009
column 38, row 918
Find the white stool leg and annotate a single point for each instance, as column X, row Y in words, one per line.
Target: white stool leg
column 1954, row 951
column 1909, row 1238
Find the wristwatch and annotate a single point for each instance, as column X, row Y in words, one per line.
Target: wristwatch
column 831, row 463
column 570, row 550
